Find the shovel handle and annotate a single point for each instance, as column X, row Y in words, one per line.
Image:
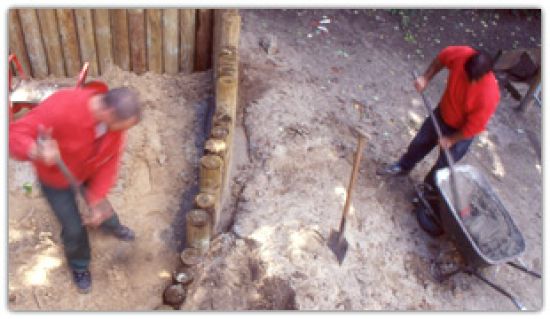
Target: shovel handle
column 355, row 171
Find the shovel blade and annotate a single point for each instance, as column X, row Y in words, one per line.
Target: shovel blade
column 338, row 244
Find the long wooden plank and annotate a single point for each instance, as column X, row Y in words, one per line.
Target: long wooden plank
column 33, row 41
column 138, row 49
column 103, row 39
column 69, row 41
column 17, row 41
column 187, row 40
column 85, row 27
column 154, row 40
column 203, row 42
column 171, row 41
column 121, row 42
column 52, row 43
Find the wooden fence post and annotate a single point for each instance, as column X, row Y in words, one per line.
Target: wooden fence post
column 103, row 37
column 171, row 41
column 136, row 23
column 33, row 41
column 187, row 40
column 154, row 40
column 17, row 41
column 85, row 27
column 203, row 42
column 121, row 38
column 52, row 43
column 69, row 41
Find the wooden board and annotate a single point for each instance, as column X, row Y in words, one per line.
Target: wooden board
column 138, row 49
column 102, row 24
column 52, row 42
column 33, row 42
column 171, row 41
column 121, row 42
column 17, row 41
column 187, row 40
column 69, row 41
column 203, row 42
column 85, row 28
column 154, row 40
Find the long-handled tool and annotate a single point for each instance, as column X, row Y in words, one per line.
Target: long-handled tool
column 450, row 161
column 337, row 242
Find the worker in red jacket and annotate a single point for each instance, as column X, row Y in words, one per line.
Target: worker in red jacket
column 470, row 99
column 86, row 129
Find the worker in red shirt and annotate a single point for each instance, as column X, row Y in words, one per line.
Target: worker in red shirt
column 86, row 129
column 470, row 99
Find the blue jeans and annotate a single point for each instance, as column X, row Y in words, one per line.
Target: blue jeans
column 73, row 233
column 423, row 143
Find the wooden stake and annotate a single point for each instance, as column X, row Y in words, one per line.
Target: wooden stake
column 205, row 201
column 85, row 27
column 138, row 49
column 171, row 41
column 231, row 30
column 219, row 132
column 17, row 41
column 52, row 43
column 121, row 42
column 203, row 42
column 198, row 229
column 154, row 40
column 33, row 42
column 210, row 173
column 69, row 41
column 187, row 41
column 215, row 147
column 191, row 257
column 103, row 36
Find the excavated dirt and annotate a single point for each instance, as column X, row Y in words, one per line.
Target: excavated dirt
column 158, row 171
column 298, row 103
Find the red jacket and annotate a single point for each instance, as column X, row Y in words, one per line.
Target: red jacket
column 466, row 106
column 92, row 161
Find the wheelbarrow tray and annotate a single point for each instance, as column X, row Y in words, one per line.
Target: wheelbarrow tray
column 454, row 226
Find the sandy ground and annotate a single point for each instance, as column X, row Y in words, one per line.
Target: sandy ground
column 297, row 110
column 158, row 169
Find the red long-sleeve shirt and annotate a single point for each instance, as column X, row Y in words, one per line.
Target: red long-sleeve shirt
column 91, row 160
column 467, row 106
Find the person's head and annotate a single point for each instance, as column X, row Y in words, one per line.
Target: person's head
column 120, row 109
column 479, row 64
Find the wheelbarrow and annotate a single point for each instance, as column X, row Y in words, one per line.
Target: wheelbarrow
column 26, row 95
column 488, row 237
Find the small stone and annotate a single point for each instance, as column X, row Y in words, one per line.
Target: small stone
column 269, row 44
column 174, row 295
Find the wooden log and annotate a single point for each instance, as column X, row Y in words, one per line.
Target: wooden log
column 171, row 41
column 215, row 147
column 187, row 40
column 69, row 41
column 226, row 94
column 52, row 43
column 191, row 257
column 206, row 201
column 17, row 41
column 138, row 49
column 121, row 38
column 203, row 42
column 219, row 132
column 103, row 37
column 154, row 40
column 85, row 28
column 210, row 173
column 33, row 42
column 198, row 230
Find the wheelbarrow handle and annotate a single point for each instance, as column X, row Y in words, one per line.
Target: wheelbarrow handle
column 498, row 288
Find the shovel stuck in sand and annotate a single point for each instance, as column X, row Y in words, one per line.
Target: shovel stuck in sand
column 337, row 242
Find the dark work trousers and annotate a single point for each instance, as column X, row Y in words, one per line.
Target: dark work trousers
column 73, row 233
column 423, row 143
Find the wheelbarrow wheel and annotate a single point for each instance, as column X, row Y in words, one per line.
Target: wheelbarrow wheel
column 427, row 222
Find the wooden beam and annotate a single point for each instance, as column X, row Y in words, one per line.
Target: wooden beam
column 85, row 28
column 203, row 42
column 121, row 39
column 17, row 41
column 103, row 38
column 52, row 43
column 33, row 42
column 138, row 48
column 171, row 41
column 69, row 41
column 187, row 41
column 154, row 40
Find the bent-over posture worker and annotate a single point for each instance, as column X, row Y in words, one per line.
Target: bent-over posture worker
column 86, row 129
column 470, row 99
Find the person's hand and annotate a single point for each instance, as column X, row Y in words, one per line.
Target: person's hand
column 98, row 213
column 420, row 83
column 46, row 149
column 446, row 142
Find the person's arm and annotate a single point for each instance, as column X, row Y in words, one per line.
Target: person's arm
column 422, row 81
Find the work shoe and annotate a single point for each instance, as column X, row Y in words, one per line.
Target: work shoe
column 82, row 280
column 392, row 170
column 124, row 233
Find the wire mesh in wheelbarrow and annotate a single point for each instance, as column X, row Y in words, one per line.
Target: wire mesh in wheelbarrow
column 488, row 235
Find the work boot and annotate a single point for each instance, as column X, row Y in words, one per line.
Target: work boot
column 124, row 233
column 392, row 170
column 82, row 280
